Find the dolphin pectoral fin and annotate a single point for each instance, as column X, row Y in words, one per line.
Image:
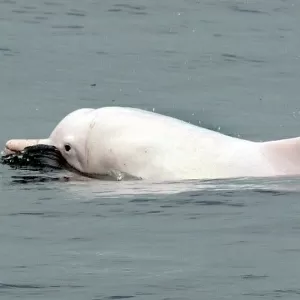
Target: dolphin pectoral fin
column 114, row 175
column 118, row 175
column 283, row 155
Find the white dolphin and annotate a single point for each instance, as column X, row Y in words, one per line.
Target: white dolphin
column 152, row 146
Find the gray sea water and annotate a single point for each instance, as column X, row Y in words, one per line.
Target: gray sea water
column 232, row 66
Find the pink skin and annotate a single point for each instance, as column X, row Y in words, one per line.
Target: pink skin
column 284, row 155
column 17, row 145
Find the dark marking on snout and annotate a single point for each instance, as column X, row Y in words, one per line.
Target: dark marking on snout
column 46, row 158
column 35, row 157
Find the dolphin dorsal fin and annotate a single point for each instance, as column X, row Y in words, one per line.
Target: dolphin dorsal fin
column 283, row 155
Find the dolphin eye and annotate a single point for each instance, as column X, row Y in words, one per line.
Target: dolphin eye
column 67, row 147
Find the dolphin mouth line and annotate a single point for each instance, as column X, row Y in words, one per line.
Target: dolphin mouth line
column 47, row 157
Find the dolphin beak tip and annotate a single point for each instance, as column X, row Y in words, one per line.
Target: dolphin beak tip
column 17, row 145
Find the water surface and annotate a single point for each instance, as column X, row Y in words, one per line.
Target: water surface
column 231, row 66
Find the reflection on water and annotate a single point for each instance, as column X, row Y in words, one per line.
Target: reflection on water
column 111, row 187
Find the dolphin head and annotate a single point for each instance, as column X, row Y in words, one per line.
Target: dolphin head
column 66, row 147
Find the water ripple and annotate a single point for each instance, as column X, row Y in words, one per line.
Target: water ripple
column 246, row 10
column 76, row 13
column 34, row 286
column 130, row 9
